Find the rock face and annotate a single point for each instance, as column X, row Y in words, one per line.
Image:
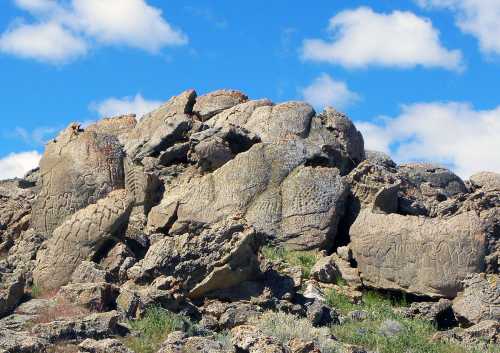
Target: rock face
column 480, row 299
column 171, row 212
column 218, row 257
column 417, row 255
column 80, row 238
column 77, row 169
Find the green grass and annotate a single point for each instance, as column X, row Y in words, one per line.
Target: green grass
column 415, row 337
column 303, row 259
column 153, row 329
column 36, row 291
column 285, row 327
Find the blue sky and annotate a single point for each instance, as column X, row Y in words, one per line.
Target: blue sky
column 419, row 77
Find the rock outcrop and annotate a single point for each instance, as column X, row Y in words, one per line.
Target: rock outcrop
column 228, row 212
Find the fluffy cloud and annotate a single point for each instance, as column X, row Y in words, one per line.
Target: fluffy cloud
column 127, row 105
column 18, row 164
column 325, row 91
column 47, row 42
column 449, row 133
column 479, row 18
column 362, row 37
column 37, row 137
column 65, row 30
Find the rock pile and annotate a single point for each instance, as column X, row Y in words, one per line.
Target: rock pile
column 171, row 210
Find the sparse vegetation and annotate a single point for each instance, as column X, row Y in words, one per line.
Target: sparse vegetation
column 285, row 327
column 154, row 328
column 303, row 259
column 36, row 291
column 416, row 336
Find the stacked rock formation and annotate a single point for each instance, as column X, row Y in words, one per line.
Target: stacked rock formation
column 172, row 209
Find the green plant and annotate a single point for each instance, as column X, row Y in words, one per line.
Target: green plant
column 285, row 327
column 36, row 291
column 303, row 259
column 416, row 336
column 153, row 329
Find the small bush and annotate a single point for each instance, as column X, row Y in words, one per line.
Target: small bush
column 303, row 259
column 154, row 328
column 36, row 291
column 285, row 327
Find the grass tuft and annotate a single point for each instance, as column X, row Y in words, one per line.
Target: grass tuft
column 303, row 259
column 285, row 327
column 154, row 328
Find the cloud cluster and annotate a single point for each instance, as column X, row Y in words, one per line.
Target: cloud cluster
column 362, row 37
column 64, row 30
column 126, row 105
column 450, row 133
column 325, row 91
column 479, row 18
column 16, row 165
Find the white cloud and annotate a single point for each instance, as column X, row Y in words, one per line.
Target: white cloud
column 127, row 22
column 325, row 91
column 64, row 30
column 46, row 42
column 479, row 18
column 448, row 133
column 16, row 165
column 362, row 37
column 126, row 105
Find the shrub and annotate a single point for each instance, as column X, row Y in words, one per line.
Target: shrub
column 154, row 328
column 285, row 327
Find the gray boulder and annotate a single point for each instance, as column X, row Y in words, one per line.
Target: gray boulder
column 480, row 299
column 80, row 238
column 11, row 292
column 210, row 104
column 77, row 169
column 220, row 256
column 108, row 345
column 418, row 255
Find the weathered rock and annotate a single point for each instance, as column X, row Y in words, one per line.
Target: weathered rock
column 439, row 313
column 161, row 128
column 15, row 210
column 89, row 272
column 418, row 255
column 485, row 331
column 320, row 314
column 95, row 296
column 228, row 315
column 331, row 269
column 480, row 299
column 178, row 342
column 80, row 238
column 249, row 339
column 20, row 342
column 118, row 126
column 210, row 104
column 252, row 184
column 11, row 292
column 23, row 253
column 381, row 158
column 108, row 345
column 238, row 115
column 217, row 257
column 77, row 169
column 97, row 326
column 118, row 261
column 487, row 181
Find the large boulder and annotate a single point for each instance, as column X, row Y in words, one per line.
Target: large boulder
column 212, row 103
column 81, row 237
column 480, row 299
column 220, row 256
column 15, row 210
column 271, row 187
column 77, row 169
column 423, row 256
column 161, row 128
column 11, row 292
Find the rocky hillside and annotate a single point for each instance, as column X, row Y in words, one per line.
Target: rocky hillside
column 223, row 224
